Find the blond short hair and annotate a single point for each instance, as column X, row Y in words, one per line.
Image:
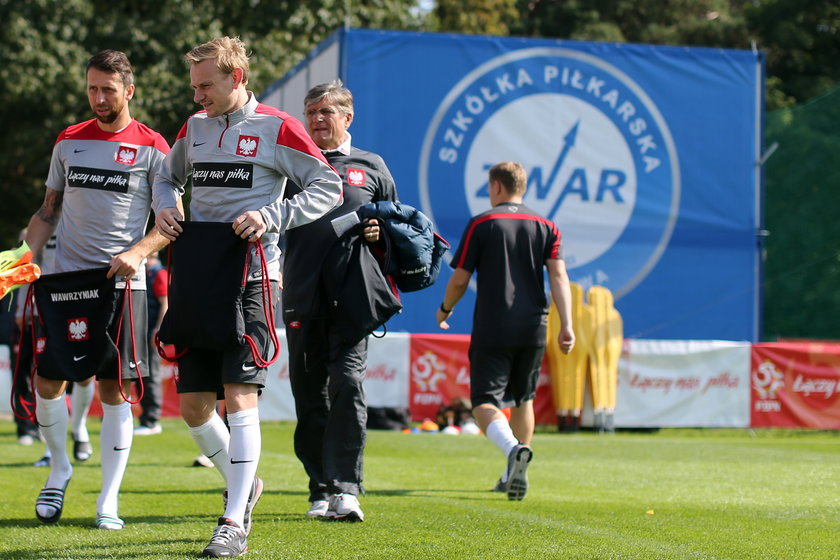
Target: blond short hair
column 229, row 53
column 511, row 175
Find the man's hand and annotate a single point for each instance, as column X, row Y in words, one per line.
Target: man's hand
column 566, row 339
column 250, row 225
column 441, row 318
column 125, row 264
column 372, row 231
column 167, row 224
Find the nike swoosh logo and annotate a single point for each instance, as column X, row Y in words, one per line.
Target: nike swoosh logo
column 235, row 462
column 121, row 448
column 214, row 454
column 78, row 358
column 79, row 151
column 132, row 365
column 248, row 368
column 197, row 144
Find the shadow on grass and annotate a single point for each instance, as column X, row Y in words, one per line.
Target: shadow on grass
column 30, row 464
column 420, row 492
column 95, row 551
column 88, row 522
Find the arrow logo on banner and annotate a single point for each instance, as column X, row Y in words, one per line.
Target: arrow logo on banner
column 536, row 173
column 568, row 142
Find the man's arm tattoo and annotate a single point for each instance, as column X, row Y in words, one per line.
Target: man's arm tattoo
column 50, row 210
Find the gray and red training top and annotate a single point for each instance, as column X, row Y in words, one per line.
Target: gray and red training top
column 241, row 161
column 508, row 246
column 106, row 179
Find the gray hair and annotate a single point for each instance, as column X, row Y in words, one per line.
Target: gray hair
column 334, row 92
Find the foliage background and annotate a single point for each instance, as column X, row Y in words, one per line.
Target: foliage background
column 46, row 43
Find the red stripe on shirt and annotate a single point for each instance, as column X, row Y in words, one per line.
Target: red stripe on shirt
column 182, row 133
column 555, row 249
column 135, row 133
column 293, row 135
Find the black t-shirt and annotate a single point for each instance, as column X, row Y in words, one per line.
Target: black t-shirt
column 507, row 246
column 366, row 179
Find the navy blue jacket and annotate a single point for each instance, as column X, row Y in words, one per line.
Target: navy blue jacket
column 414, row 252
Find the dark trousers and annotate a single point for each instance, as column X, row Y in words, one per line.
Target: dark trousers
column 326, row 380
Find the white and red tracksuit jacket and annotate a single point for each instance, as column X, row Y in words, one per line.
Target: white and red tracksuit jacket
column 241, row 161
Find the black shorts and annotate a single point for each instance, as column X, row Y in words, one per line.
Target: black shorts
column 134, row 350
column 203, row 370
column 504, row 376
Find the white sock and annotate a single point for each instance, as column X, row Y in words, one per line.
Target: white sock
column 115, row 443
column 80, row 403
column 53, row 418
column 245, row 447
column 213, row 440
column 499, row 432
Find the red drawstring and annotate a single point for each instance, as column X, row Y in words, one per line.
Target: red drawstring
column 28, row 407
column 259, row 361
column 127, row 296
column 159, row 346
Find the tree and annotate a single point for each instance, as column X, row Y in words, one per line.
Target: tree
column 801, row 39
column 41, row 88
column 48, row 42
column 476, row 17
column 803, row 249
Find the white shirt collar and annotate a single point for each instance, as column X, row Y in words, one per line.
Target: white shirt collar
column 344, row 148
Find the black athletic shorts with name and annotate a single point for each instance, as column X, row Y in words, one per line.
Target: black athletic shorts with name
column 134, row 350
column 504, row 376
column 203, row 370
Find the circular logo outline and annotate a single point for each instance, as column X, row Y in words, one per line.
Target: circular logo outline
column 558, row 52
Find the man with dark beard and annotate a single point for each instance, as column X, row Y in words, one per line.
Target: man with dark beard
column 97, row 202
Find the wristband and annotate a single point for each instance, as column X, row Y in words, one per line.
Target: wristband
column 445, row 310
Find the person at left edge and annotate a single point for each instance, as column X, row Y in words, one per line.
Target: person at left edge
column 99, row 226
column 237, row 134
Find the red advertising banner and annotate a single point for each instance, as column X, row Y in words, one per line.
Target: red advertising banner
column 439, row 370
column 795, row 385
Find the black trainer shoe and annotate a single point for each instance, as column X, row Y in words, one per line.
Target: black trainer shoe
column 253, row 498
column 517, row 483
column 228, row 540
column 82, row 450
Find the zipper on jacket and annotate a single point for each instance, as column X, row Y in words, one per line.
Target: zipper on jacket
column 227, row 125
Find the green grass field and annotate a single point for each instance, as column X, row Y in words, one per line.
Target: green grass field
column 673, row 494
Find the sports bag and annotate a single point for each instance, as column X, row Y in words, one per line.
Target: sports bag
column 208, row 269
column 75, row 324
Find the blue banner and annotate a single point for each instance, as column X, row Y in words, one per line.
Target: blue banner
column 644, row 156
